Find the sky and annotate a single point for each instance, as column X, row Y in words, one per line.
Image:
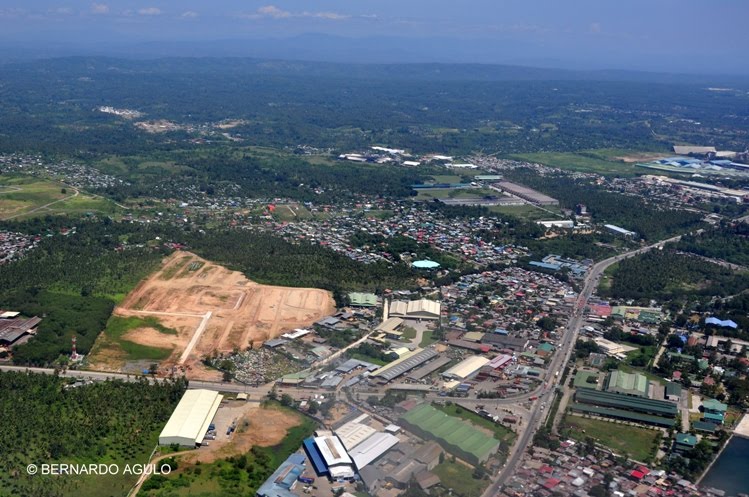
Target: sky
column 668, row 35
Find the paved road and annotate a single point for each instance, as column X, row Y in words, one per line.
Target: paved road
column 561, row 358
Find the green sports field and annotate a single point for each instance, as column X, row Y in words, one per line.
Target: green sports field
column 456, row 435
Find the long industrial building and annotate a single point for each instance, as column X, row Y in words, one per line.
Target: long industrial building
column 355, row 432
column 405, row 364
column 466, row 367
column 372, row 448
column 618, row 405
column 457, row 436
column 529, row 194
column 191, row 418
column 328, row 456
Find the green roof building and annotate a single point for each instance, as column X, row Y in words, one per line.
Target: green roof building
column 619, row 406
column 546, row 347
column 586, row 379
column 714, row 411
column 681, row 357
column 704, row 426
column 634, row 384
column 673, row 391
column 358, row 299
column 684, row 442
column 714, row 406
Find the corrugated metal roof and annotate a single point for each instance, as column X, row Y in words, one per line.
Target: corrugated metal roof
column 192, row 416
column 466, row 367
column 372, row 448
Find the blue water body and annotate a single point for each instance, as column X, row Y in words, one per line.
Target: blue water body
column 729, row 472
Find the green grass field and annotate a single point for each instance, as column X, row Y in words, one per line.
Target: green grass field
column 366, row 358
column 453, row 193
column 118, row 326
column 175, row 268
column 408, row 333
column 635, row 441
column 23, row 197
column 602, row 161
column 427, row 339
column 21, row 194
column 527, row 212
column 460, row 478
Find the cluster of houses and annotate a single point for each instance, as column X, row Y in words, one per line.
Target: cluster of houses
column 407, row 220
column 14, row 245
column 574, row 469
column 67, row 171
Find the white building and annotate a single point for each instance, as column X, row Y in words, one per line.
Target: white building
column 191, row 418
column 355, row 432
column 619, row 231
column 335, row 456
column 415, row 309
column 372, row 448
column 467, row 367
column 558, row 223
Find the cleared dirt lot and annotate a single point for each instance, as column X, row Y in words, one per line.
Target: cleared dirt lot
column 256, row 425
column 214, row 309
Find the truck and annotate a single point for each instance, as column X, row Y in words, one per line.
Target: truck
column 306, row 479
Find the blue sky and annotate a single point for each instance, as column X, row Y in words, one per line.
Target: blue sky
column 632, row 34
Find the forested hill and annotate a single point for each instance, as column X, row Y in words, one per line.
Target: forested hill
column 51, row 106
column 251, row 66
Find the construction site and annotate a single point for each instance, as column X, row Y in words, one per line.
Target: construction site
column 211, row 310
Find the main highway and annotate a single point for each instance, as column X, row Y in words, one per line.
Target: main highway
column 554, row 372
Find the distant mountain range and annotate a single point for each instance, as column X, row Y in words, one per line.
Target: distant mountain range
column 334, row 56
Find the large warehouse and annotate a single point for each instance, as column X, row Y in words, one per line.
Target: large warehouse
column 466, row 367
column 355, row 432
column 191, row 418
column 455, row 435
column 336, row 460
column 372, row 448
column 401, row 366
column 635, row 384
column 415, row 309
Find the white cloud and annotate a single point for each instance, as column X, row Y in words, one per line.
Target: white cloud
column 189, row 15
column 99, row 8
column 149, row 11
column 333, row 16
column 63, row 11
column 273, row 12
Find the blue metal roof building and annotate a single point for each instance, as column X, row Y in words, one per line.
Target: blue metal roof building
column 545, row 265
column 283, row 479
column 315, row 457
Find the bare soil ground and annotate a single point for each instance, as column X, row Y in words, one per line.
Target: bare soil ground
column 256, row 426
column 187, row 287
column 641, row 157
